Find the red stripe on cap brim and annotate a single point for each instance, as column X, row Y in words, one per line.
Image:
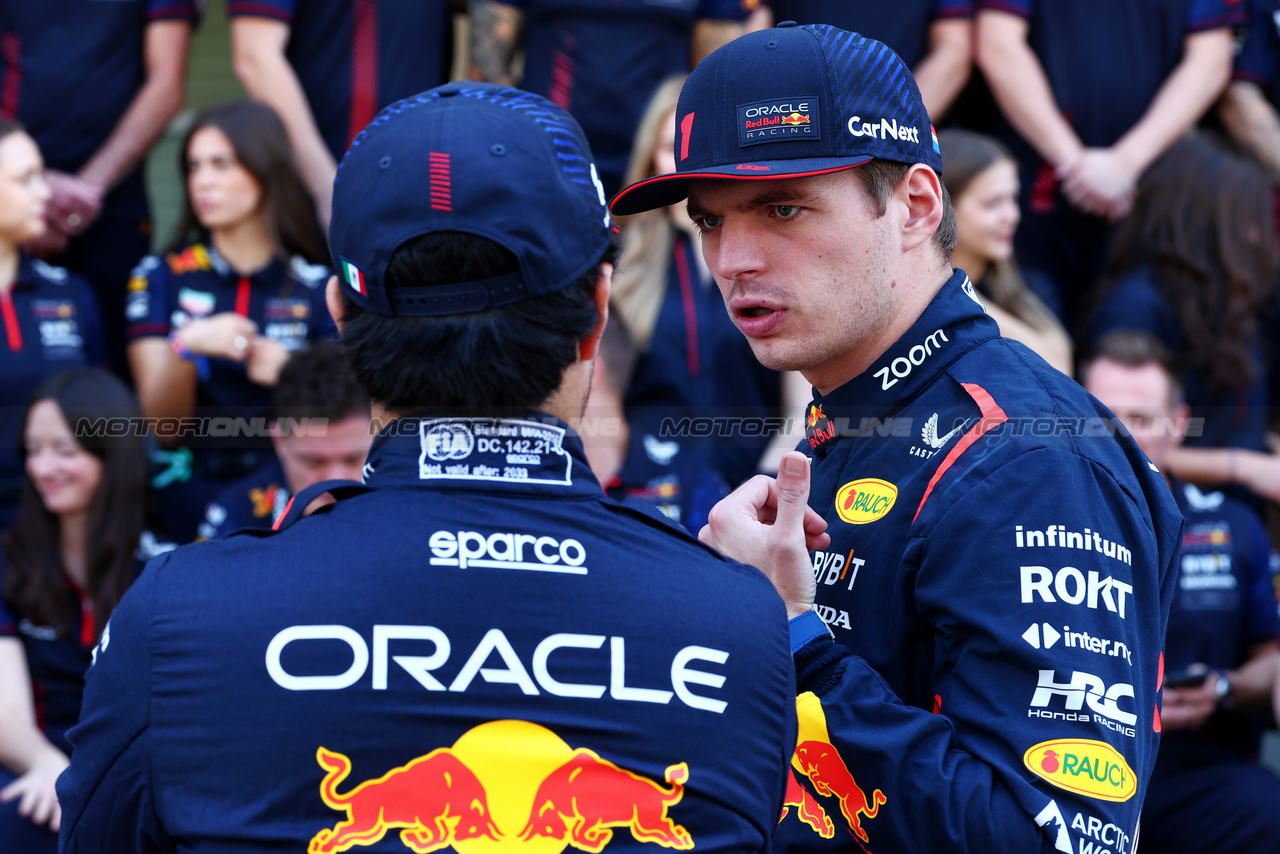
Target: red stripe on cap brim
column 663, row 190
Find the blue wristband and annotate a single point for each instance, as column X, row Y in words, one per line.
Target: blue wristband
column 805, row 629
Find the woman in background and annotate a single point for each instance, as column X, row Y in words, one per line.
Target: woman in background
column 49, row 316
column 212, row 322
column 982, row 178
column 79, row 542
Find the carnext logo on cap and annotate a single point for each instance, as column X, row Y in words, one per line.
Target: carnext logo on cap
column 778, row 121
column 885, row 129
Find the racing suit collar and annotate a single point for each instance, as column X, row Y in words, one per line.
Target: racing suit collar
column 952, row 324
column 530, row 453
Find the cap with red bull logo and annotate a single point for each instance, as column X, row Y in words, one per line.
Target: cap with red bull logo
column 791, row 102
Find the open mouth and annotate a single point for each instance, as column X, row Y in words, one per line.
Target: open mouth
column 756, row 311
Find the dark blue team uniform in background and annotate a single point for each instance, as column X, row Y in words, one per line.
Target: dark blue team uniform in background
column 490, row 619
column 1105, row 60
column 354, row 57
column 603, row 61
column 1001, row 571
column 1207, row 787
column 50, row 324
column 70, row 70
column 253, row 502
column 903, row 25
column 1258, row 59
column 1258, row 62
column 698, row 368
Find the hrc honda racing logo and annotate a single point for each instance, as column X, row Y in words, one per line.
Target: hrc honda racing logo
column 511, row 784
column 1103, row 700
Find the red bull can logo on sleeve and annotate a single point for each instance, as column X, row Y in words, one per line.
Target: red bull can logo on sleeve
column 503, row 786
column 817, row 759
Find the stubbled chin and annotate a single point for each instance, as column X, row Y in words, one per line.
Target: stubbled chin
column 774, row 355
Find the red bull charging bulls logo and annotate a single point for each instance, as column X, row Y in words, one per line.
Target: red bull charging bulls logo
column 819, row 761
column 502, row 786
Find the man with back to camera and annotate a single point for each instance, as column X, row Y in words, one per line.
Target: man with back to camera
column 1224, row 634
column 975, row 502
column 474, row 646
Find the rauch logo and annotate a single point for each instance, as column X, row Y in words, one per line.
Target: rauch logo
column 1090, row 768
column 866, row 500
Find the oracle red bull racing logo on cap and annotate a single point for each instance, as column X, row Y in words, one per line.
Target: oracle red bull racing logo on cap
column 778, row 120
column 1091, row 768
column 504, row 785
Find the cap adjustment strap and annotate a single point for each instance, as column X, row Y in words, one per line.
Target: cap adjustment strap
column 458, row 297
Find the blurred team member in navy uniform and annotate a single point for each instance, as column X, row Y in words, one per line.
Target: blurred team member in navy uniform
column 982, row 178
column 1249, row 108
column 321, row 432
column 211, row 322
column 692, row 361
column 531, row 658
column 600, row 61
column 1222, row 655
column 1092, row 92
column 1193, row 265
column 50, row 316
column 933, row 37
column 327, row 66
column 96, row 84
column 1249, row 114
column 79, row 544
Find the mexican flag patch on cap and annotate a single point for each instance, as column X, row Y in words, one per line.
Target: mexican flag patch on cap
column 354, row 277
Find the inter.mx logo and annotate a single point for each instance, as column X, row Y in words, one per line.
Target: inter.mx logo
column 1047, row 636
column 1103, row 701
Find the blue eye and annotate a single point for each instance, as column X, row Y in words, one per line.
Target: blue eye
column 707, row 223
column 786, row 211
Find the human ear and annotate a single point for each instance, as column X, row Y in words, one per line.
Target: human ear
column 922, row 192
column 588, row 346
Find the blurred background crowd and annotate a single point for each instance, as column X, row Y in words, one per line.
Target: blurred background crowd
column 166, row 172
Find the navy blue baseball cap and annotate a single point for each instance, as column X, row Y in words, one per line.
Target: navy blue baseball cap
column 791, row 102
column 468, row 157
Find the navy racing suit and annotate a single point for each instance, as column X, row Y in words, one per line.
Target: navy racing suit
column 475, row 645
column 998, row 584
